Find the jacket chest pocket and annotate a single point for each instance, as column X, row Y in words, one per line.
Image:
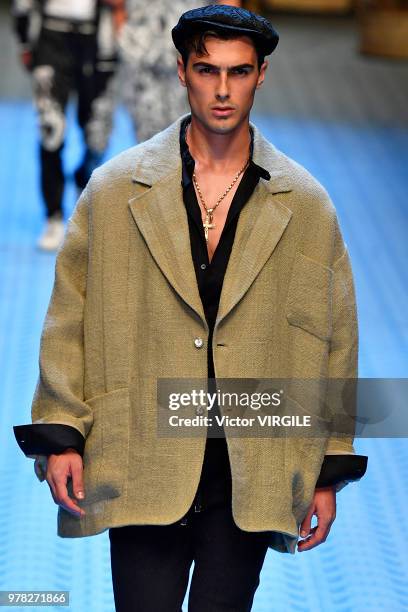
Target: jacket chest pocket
column 309, row 298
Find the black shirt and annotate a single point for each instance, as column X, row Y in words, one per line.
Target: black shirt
column 215, row 482
column 210, row 275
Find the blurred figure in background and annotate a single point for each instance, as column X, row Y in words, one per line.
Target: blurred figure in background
column 150, row 86
column 74, row 51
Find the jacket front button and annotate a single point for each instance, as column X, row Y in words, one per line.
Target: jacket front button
column 198, row 342
column 199, row 410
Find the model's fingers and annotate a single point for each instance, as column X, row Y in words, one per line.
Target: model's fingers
column 317, row 536
column 306, row 523
column 77, row 473
column 52, row 487
column 63, row 498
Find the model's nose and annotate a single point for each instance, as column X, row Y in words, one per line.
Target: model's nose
column 221, row 98
column 222, row 93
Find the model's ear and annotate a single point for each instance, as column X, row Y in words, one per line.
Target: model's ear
column 181, row 71
column 262, row 72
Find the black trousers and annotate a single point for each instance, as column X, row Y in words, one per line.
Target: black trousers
column 151, row 563
column 65, row 63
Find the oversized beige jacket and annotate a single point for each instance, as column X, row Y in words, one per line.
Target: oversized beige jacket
column 125, row 311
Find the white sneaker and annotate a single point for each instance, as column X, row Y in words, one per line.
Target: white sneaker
column 52, row 236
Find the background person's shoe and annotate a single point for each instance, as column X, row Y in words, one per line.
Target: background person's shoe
column 53, row 234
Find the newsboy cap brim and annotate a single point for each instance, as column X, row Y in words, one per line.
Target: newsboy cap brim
column 228, row 19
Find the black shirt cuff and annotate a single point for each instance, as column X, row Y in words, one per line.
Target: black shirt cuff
column 48, row 438
column 338, row 468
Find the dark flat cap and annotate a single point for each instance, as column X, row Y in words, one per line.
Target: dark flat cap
column 222, row 17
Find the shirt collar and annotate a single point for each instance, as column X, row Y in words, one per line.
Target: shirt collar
column 188, row 162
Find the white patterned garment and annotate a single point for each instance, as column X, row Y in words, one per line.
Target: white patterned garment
column 150, row 84
column 81, row 10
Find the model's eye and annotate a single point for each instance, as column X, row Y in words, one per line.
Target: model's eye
column 240, row 71
column 206, row 70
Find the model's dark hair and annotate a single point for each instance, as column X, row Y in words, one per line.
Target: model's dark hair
column 196, row 43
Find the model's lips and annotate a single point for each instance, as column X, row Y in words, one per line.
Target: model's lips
column 222, row 111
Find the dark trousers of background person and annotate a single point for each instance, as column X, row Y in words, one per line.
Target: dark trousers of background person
column 65, row 62
column 151, row 563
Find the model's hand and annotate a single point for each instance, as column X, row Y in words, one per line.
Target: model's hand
column 324, row 507
column 59, row 468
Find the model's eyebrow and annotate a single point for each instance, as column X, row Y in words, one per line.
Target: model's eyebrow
column 208, row 65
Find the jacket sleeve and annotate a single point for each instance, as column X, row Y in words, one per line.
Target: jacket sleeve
column 59, row 394
column 341, row 464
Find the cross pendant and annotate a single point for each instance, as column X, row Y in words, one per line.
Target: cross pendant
column 208, row 224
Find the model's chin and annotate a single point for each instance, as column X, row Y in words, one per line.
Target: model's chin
column 222, row 125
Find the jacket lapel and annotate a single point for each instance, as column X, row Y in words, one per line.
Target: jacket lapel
column 161, row 217
column 261, row 224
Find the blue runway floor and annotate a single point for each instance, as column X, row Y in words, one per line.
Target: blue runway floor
column 363, row 565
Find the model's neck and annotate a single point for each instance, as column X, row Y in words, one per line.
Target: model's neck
column 218, row 152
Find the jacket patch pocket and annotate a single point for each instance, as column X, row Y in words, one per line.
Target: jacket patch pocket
column 106, row 447
column 309, row 299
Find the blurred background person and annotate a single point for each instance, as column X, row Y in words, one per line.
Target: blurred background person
column 150, row 85
column 72, row 50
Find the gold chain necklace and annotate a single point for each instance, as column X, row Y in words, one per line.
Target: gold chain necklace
column 209, row 212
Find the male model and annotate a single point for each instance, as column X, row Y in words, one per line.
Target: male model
column 202, row 253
